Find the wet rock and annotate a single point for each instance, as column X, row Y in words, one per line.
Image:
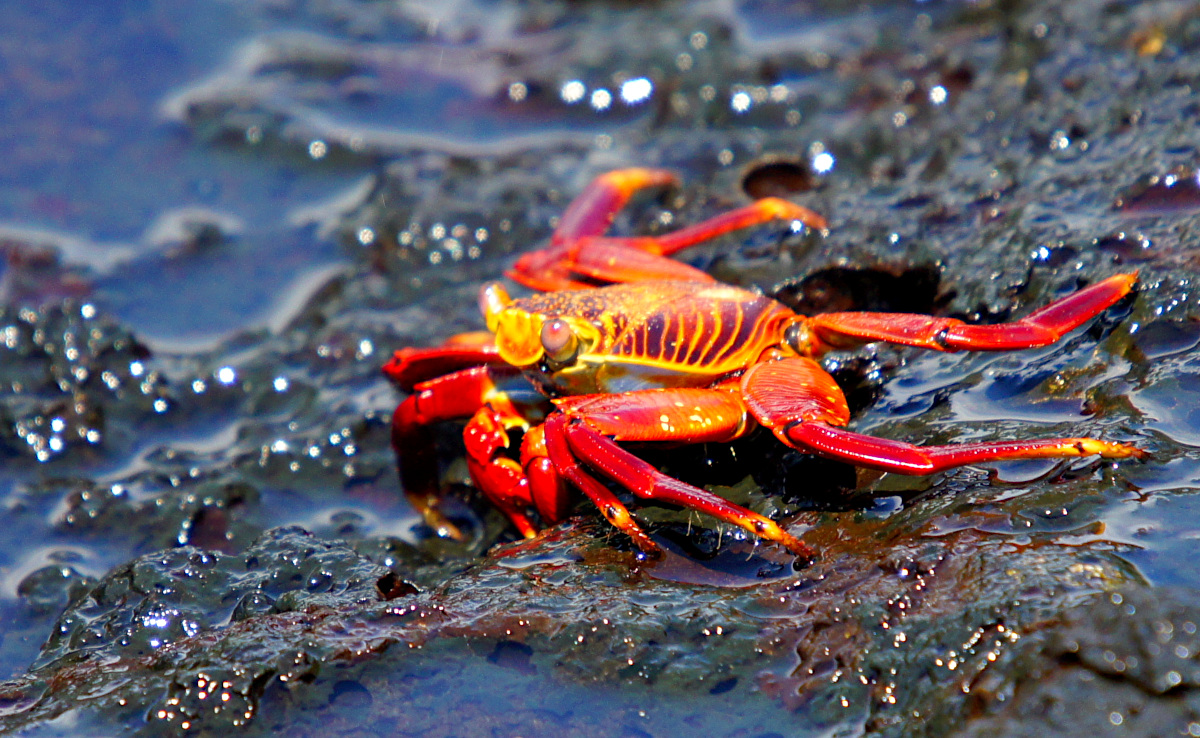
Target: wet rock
column 191, row 231
column 51, row 588
column 181, row 593
column 1123, row 663
column 1160, row 195
column 912, row 290
column 60, row 367
column 876, row 630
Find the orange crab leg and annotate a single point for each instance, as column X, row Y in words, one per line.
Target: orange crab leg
column 589, row 214
column 581, row 429
column 803, row 407
column 577, row 248
column 1042, row 327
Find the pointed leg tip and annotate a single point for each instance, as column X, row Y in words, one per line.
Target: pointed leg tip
column 1115, row 450
column 1123, row 283
column 648, row 551
column 769, row 530
column 1140, row 454
column 636, row 178
column 798, row 547
column 787, row 210
column 443, row 527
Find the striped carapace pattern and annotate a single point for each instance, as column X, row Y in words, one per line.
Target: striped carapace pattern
column 713, row 328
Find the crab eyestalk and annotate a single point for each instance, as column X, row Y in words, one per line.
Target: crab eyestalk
column 559, row 341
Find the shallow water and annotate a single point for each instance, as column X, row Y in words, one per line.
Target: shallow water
column 219, row 219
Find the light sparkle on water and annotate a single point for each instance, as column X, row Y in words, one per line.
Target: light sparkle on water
column 636, row 90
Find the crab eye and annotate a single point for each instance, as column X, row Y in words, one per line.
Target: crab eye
column 559, row 341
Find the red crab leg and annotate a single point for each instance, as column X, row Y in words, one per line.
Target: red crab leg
column 626, row 260
column 1042, row 327
column 581, row 427
column 411, row 366
column 610, row 507
column 446, row 391
column 577, row 248
column 643, row 258
column 456, row 395
column 905, row 458
column 756, row 213
column 592, row 212
column 547, row 488
column 589, row 214
column 802, row 405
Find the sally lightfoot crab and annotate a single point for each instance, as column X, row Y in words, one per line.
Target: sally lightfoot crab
column 663, row 353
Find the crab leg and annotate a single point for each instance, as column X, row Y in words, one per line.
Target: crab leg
column 803, row 407
column 756, row 213
column 906, row 458
column 578, row 248
column 1042, row 327
column 460, row 394
column 624, row 260
column 581, row 429
column 547, row 488
column 563, row 459
column 411, row 366
column 592, row 212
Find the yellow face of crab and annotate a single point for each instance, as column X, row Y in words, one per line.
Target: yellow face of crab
column 526, row 338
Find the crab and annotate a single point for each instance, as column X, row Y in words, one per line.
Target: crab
column 624, row 344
